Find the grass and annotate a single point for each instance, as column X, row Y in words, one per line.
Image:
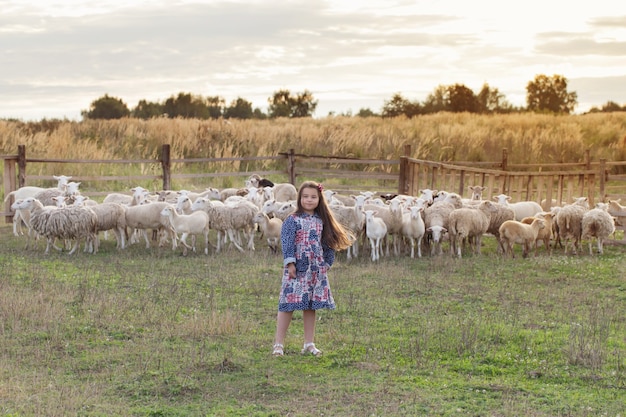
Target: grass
column 147, row 332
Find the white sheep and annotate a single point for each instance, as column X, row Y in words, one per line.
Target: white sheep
column 499, row 216
column 413, row 228
column 227, row 219
column 392, row 216
column 436, row 220
column 597, row 223
column 286, row 209
column 30, row 191
column 223, row 194
column 21, row 216
column 476, row 192
column 569, row 221
column 376, row 230
column 334, row 198
column 521, row 208
column 110, row 216
column 512, row 231
column 138, row 196
column 270, row 229
column 352, row 218
column 618, row 211
column 546, row 234
column 196, row 223
column 147, row 216
column 75, row 223
column 47, row 196
column 469, row 224
column 285, row 191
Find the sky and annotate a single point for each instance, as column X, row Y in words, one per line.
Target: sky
column 59, row 56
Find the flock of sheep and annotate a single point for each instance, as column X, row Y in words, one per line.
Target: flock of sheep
column 399, row 223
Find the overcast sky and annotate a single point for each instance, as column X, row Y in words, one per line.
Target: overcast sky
column 58, row 56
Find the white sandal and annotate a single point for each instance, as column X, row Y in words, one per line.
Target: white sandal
column 278, row 350
column 310, row 348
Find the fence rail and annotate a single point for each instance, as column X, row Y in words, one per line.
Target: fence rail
column 537, row 182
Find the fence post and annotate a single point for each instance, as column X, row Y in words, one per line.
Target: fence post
column 21, row 166
column 602, row 174
column 166, row 165
column 9, row 186
column 505, row 159
column 403, row 186
column 291, row 166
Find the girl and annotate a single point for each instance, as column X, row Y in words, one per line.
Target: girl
column 309, row 238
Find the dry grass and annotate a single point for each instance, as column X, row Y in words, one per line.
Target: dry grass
column 444, row 136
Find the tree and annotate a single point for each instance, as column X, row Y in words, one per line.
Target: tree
column 304, row 105
column 147, row 110
column 549, row 94
column 366, row 112
column 106, row 107
column 239, row 109
column 283, row 104
column 609, row 106
column 215, row 106
column 490, row 100
column 461, row 99
column 437, row 100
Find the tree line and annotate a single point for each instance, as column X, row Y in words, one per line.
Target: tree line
column 544, row 94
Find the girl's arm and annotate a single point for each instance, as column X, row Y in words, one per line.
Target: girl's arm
column 288, row 240
column 329, row 254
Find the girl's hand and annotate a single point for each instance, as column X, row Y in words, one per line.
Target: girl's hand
column 291, row 268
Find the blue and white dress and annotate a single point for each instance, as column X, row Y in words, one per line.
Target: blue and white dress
column 301, row 239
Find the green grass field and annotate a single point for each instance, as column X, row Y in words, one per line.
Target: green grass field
column 147, row 332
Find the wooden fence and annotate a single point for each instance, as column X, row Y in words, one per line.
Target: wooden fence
column 545, row 184
column 560, row 182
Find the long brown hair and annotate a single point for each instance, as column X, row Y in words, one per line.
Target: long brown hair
column 333, row 234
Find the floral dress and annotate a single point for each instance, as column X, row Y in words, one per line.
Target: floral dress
column 301, row 239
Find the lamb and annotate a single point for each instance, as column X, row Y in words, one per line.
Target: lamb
column 512, row 232
column 196, row 223
column 270, row 229
column 376, row 230
column 436, row 220
column 392, row 216
column 413, row 228
column 477, row 192
column 21, row 216
column 471, row 224
column 74, row 223
column 521, row 208
column 146, row 216
column 502, row 214
column 597, row 223
column 569, row 220
column 545, row 234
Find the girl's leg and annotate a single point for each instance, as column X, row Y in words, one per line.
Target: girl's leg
column 308, row 317
column 283, row 319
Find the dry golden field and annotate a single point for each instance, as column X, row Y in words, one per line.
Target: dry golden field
column 529, row 138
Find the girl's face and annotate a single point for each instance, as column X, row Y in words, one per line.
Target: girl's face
column 309, row 200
